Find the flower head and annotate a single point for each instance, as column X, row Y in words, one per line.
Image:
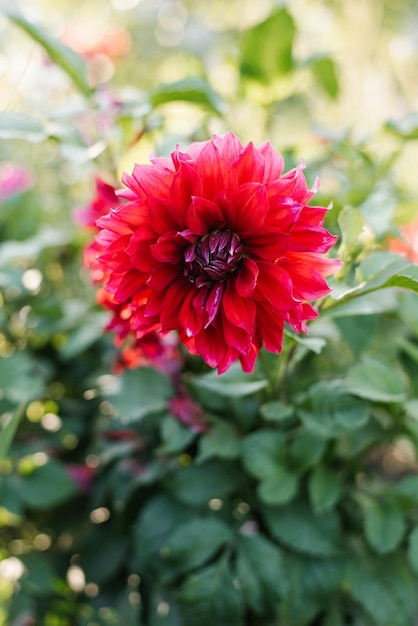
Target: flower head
column 219, row 245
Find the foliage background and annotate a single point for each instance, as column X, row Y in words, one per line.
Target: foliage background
column 297, row 504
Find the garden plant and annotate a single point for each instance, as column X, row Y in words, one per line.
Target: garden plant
column 209, row 314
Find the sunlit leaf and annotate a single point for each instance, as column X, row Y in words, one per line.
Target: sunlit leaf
column 266, row 48
column 21, row 126
column 192, row 90
column 63, row 56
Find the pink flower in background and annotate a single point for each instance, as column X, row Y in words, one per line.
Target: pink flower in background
column 187, row 411
column 150, row 349
column 408, row 243
column 221, row 246
column 13, row 180
column 104, row 199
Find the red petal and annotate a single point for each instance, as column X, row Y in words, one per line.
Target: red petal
column 236, row 338
column 189, row 317
column 308, row 284
column 162, row 216
column 174, row 297
column 246, row 278
column 215, row 172
column 131, row 282
column 249, row 166
column 186, row 184
column 229, row 145
column 162, row 276
column 204, row 216
column 251, row 207
column 311, row 238
column 167, row 249
column 271, row 329
column 267, row 243
column 139, row 251
column 275, row 285
column 324, row 265
column 273, row 162
column 240, row 311
column 210, row 344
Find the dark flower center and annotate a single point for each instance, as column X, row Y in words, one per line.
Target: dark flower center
column 213, row 257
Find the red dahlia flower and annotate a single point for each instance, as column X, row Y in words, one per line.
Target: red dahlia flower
column 218, row 244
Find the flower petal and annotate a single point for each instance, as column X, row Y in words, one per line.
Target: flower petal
column 204, row 216
column 275, row 285
column 246, row 278
column 267, row 243
column 240, row 311
column 250, row 208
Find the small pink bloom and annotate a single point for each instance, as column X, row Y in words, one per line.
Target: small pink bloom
column 218, row 244
column 104, row 199
column 187, row 411
column 13, row 180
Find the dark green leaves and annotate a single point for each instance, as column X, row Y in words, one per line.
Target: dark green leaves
column 210, row 597
column 140, row 392
column 297, row 527
column 266, row 49
column 384, row 526
column 192, row 543
column 46, row 486
column 261, row 572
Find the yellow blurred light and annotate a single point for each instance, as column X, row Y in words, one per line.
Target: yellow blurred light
column 35, row 411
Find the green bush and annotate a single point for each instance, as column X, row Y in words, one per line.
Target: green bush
column 141, row 496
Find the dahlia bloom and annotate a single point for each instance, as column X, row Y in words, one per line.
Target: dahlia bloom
column 219, row 245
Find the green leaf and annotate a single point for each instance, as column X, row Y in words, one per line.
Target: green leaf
column 379, row 208
column 63, row 56
column 222, row 441
column 193, row 90
column 384, row 526
column 194, row 542
column 39, row 577
column 384, row 590
column 406, row 490
column 21, row 126
column 234, row 383
column 296, row 526
column 279, row 487
column 210, row 597
column 329, row 410
column 266, row 49
column 47, row 486
column 312, row 585
column 20, row 379
column 156, row 521
column 261, row 572
column 324, row 488
column 381, row 270
column 47, row 237
column 263, row 452
column 197, row 484
column 306, row 450
column 325, row 74
column 406, row 128
column 351, row 224
column 140, row 392
column 374, row 380
column 8, row 430
column 175, row 436
column 276, row 411
column 413, row 549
